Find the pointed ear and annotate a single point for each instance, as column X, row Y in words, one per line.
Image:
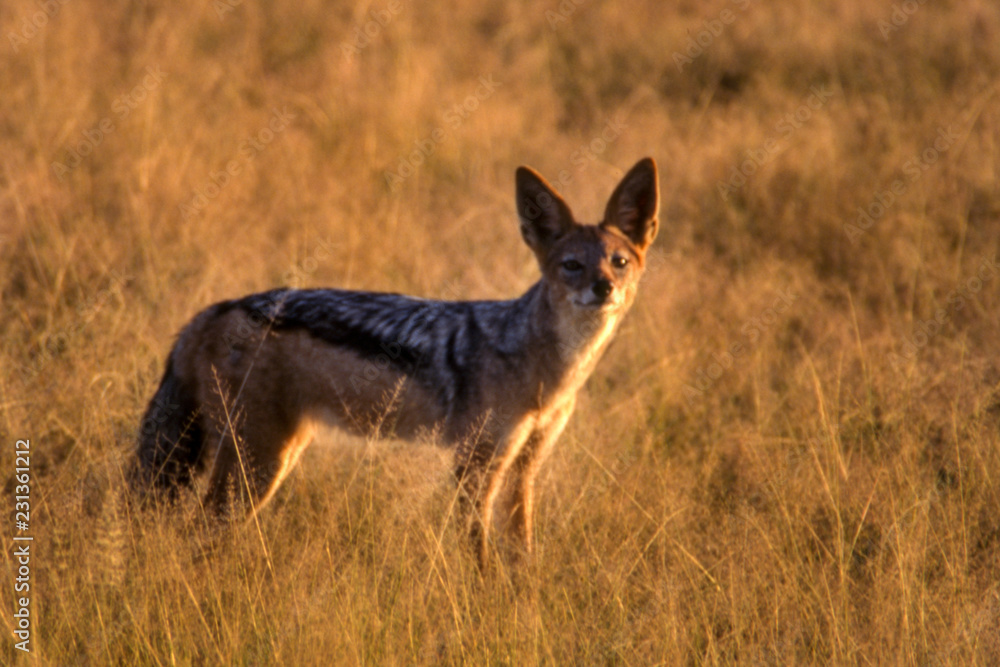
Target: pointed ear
column 635, row 204
column 543, row 213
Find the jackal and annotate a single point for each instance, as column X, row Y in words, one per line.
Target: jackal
column 248, row 380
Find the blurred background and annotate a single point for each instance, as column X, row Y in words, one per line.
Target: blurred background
column 790, row 454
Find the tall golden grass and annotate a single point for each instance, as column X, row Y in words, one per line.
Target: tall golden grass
column 789, row 456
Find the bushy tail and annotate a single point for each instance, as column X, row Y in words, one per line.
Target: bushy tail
column 171, row 439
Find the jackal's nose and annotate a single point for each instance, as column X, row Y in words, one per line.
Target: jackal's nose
column 602, row 288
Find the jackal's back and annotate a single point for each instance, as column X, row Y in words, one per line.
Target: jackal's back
column 444, row 346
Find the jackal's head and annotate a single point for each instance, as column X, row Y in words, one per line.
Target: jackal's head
column 591, row 268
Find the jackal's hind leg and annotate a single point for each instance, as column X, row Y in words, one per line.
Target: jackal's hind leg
column 252, row 470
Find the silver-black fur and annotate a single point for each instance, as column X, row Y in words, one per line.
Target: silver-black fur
column 496, row 380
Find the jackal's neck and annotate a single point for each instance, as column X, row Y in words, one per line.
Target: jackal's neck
column 567, row 340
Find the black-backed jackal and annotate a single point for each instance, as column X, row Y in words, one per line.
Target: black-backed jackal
column 249, row 379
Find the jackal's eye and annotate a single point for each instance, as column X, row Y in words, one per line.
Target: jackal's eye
column 619, row 262
column 572, row 265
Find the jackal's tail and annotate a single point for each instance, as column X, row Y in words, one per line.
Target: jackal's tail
column 171, row 439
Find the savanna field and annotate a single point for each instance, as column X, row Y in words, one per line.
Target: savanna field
column 790, row 455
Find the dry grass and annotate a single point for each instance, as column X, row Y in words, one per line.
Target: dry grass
column 827, row 495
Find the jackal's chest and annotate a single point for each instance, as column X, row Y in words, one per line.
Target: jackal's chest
column 582, row 341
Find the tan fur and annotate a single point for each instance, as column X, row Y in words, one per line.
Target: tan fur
column 262, row 390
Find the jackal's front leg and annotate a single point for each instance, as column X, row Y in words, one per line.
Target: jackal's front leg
column 481, row 470
column 521, row 497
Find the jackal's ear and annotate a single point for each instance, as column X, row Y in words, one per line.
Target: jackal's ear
column 543, row 213
column 635, row 203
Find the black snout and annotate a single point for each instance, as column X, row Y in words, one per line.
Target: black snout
column 602, row 288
